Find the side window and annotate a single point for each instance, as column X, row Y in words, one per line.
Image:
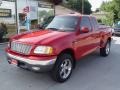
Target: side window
column 94, row 23
column 85, row 22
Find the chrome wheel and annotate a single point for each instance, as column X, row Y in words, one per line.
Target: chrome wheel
column 107, row 48
column 63, row 68
column 105, row 51
column 66, row 68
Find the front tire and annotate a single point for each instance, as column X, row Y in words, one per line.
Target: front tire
column 105, row 51
column 63, row 68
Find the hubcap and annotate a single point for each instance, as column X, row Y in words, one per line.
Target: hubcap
column 66, row 68
column 108, row 48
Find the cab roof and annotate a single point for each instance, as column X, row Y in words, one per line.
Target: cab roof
column 76, row 14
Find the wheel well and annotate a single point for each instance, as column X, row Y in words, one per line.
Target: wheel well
column 109, row 39
column 103, row 43
column 71, row 52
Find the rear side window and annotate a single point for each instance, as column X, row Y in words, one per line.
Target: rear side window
column 85, row 22
column 94, row 23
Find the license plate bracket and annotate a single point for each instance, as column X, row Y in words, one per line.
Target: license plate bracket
column 14, row 62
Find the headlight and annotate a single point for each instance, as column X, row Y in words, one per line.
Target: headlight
column 43, row 50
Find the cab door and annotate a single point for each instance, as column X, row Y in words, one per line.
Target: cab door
column 84, row 41
column 96, row 32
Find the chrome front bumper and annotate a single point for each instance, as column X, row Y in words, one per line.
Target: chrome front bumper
column 33, row 62
column 45, row 65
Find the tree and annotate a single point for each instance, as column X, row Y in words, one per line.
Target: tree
column 43, row 15
column 109, row 8
column 117, row 8
column 112, row 7
column 77, row 6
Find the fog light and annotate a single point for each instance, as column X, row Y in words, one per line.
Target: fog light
column 36, row 68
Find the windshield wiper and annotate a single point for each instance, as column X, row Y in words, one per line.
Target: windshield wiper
column 53, row 28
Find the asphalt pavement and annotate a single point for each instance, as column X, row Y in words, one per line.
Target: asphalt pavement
column 93, row 72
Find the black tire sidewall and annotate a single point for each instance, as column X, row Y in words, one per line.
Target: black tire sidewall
column 103, row 50
column 56, row 70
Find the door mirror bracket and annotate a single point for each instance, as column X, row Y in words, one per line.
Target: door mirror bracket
column 84, row 30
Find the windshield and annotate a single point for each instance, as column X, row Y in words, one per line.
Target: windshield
column 64, row 23
column 117, row 25
column 47, row 21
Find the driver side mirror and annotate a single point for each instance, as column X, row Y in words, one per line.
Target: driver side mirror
column 84, row 29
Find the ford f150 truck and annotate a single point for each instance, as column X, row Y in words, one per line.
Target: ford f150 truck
column 60, row 45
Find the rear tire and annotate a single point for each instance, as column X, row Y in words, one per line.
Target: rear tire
column 105, row 51
column 63, row 68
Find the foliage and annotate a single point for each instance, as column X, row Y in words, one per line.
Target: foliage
column 77, row 5
column 112, row 7
column 3, row 30
column 45, row 14
column 109, row 20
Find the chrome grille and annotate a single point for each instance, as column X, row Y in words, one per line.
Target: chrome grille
column 21, row 48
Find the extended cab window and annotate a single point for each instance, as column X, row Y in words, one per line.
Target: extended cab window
column 85, row 22
column 94, row 23
column 64, row 23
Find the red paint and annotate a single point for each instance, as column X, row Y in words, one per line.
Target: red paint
column 80, row 43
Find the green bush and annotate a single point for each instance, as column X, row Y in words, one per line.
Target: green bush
column 3, row 30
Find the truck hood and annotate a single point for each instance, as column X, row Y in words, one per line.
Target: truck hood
column 41, row 36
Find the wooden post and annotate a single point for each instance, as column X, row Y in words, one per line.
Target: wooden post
column 82, row 6
column 16, row 14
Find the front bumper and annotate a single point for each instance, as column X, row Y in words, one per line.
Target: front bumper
column 35, row 65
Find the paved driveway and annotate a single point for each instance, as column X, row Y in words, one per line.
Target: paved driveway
column 92, row 73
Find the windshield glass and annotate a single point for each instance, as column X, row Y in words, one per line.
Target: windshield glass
column 64, row 23
column 117, row 25
column 46, row 21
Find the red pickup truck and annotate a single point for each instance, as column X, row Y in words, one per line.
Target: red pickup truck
column 60, row 45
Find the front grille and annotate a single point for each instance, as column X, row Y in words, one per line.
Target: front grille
column 21, row 48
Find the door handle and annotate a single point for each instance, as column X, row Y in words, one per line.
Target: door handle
column 75, row 41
